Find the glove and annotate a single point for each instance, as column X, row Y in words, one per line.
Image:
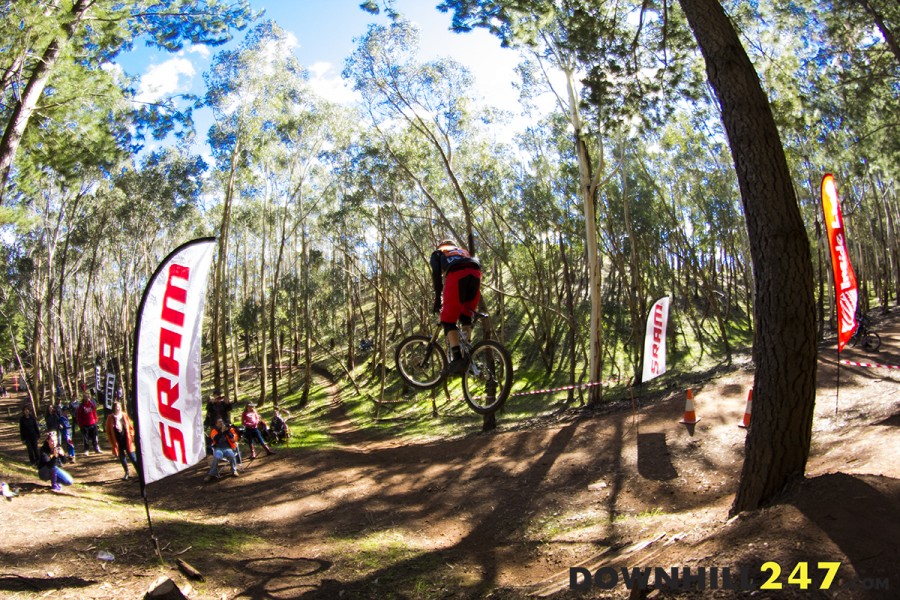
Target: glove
column 437, row 306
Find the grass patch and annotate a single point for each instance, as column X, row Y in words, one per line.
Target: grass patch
column 550, row 526
column 380, row 550
column 389, row 560
column 203, row 538
column 16, row 468
column 646, row 515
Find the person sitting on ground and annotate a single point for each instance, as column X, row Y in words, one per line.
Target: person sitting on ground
column 48, row 466
column 252, row 423
column 456, row 278
column 30, row 432
column 279, row 431
column 120, row 432
column 87, row 419
column 224, row 445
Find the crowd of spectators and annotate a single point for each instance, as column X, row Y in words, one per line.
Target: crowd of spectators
column 50, row 443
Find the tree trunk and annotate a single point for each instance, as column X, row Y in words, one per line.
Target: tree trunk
column 220, row 295
column 349, row 311
column 784, row 348
column 276, row 371
column 219, row 301
column 264, row 330
column 307, row 319
column 893, row 247
column 570, row 310
column 587, row 191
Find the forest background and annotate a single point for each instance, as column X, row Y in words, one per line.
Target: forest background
column 326, row 212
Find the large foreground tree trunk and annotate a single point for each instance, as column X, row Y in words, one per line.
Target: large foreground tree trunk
column 784, row 349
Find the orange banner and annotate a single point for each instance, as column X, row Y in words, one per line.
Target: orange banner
column 845, row 289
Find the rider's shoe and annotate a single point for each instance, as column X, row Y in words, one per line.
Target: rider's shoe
column 457, row 366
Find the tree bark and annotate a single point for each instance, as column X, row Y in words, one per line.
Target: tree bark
column 784, row 348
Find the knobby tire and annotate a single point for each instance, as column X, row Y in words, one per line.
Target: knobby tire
column 488, row 377
column 871, row 342
column 420, row 362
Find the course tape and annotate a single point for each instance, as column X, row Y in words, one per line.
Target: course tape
column 564, row 388
column 869, row 365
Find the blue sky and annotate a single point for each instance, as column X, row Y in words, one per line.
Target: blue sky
column 325, row 31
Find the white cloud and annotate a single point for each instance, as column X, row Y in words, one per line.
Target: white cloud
column 118, row 73
column 326, row 82
column 201, row 49
column 164, row 79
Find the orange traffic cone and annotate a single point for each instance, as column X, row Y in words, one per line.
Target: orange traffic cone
column 745, row 422
column 690, row 417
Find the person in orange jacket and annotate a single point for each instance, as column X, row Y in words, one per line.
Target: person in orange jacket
column 224, row 445
column 120, row 432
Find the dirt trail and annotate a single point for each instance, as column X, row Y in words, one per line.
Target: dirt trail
column 503, row 514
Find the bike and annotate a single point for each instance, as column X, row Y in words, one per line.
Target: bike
column 422, row 363
column 864, row 337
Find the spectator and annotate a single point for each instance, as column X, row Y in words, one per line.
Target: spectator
column 66, row 440
column 252, row 423
column 120, row 431
column 217, row 408
column 279, row 431
column 86, row 416
column 48, row 467
column 51, row 417
column 30, row 432
column 224, row 445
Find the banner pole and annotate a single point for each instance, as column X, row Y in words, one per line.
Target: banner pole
column 633, row 404
column 153, row 537
column 837, row 390
column 136, row 412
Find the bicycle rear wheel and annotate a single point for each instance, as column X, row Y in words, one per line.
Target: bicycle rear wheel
column 488, row 377
column 420, row 362
column 871, row 342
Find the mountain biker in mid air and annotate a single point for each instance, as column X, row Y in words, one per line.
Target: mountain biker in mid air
column 457, row 289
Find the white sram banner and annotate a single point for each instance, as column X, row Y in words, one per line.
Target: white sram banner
column 169, row 406
column 655, row 340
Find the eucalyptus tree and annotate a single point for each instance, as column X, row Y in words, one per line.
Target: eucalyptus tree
column 47, row 41
column 273, row 139
column 836, row 95
column 156, row 208
column 249, row 89
column 596, row 43
column 700, row 228
column 429, row 98
column 313, row 135
column 784, row 349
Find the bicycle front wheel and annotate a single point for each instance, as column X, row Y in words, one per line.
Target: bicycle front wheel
column 871, row 342
column 488, row 377
column 420, row 362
